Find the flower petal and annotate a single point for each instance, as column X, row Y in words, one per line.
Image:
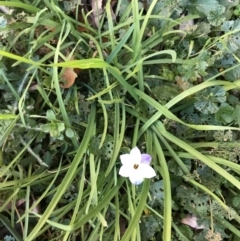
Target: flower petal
column 136, row 177
column 136, row 155
column 125, row 159
column 125, row 171
column 146, row 171
column 146, row 159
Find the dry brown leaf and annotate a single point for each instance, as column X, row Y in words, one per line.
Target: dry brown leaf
column 5, row 10
column 17, row 203
column 81, row 20
column 184, row 85
column 97, row 11
column 213, row 236
column 37, row 208
column 191, row 221
column 50, row 28
column 114, row 18
column 69, row 77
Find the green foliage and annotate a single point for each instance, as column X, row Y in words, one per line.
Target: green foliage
column 198, row 65
column 186, row 231
column 236, row 114
column 233, row 75
column 54, row 128
column 216, row 16
column 106, row 150
column 157, row 194
column 199, row 6
column 149, row 227
column 225, row 114
column 232, row 40
column 208, row 100
column 236, row 11
column 174, row 167
column 194, row 202
column 209, row 178
column 236, row 201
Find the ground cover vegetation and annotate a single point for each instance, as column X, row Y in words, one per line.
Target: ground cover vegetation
column 84, row 82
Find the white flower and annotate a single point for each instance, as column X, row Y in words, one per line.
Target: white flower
column 136, row 166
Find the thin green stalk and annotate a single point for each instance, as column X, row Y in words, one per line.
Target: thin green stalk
column 118, row 136
column 138, row 212
column 117, row 217
column 135, row 134
column 167, row 226
column 41, row 162
column 62, row 37
column 136, row 42
column 172, row 153
column 14, row 92
column 27, row 204
column 230, row 226
column 180, row 234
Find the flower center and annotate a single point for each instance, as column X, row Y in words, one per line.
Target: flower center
column 135, row 166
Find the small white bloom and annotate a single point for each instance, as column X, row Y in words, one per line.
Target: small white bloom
column 136, row 166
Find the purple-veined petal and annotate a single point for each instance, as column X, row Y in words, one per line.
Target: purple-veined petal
column 125, row 171
column 136, row 155
column 146, row 171
column 146, row 159
column 136, row 177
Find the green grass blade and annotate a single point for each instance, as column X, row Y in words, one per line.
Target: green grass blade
column 68, row 177
column 167, row 226
column 14, row 4
column 138, row 212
